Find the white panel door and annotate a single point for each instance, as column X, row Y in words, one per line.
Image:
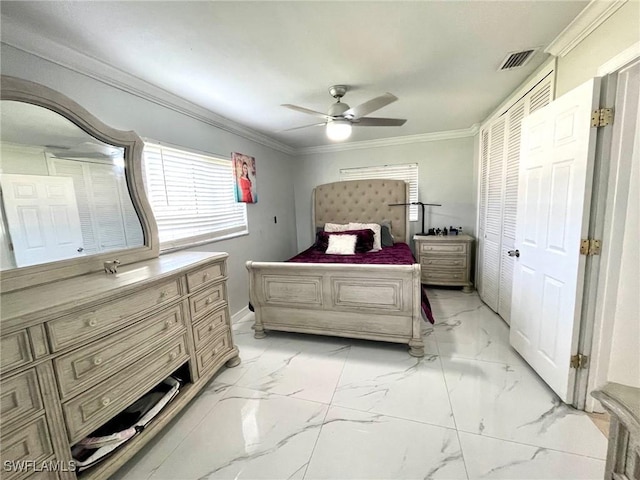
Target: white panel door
column 42, row 217
column 556, row 173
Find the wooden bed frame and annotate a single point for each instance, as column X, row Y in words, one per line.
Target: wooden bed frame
column 373, row 302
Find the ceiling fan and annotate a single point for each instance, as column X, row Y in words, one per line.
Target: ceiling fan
column 340, row 117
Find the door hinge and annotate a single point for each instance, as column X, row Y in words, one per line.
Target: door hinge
column 602, row 117
column 579, row 361
column 589, row 247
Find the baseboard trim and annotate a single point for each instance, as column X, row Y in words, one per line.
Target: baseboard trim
column 239, row 315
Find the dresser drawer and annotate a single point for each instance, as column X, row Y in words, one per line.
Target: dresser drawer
column 15, row 350
column 207, row 328
column 436, row 262
column 30, row 442
column 94, row 407
column 107, row 318
column 205, row 275
column 443, row 249
column 19, row 398
column 207, row 300
column 88, row 366
column 208, row 357
column 445, row 276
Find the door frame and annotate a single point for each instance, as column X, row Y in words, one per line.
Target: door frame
column 602, row 290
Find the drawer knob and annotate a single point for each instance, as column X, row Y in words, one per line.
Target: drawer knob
column 93, row 322
column 173, row 355
column 97, row 361
column 167, row 324
column 210, row 328
column 208, row 301
column 163, row 294
column 205, row 275
column 106, row 401
column 430, row 262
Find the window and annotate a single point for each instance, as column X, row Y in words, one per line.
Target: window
column 407, row 172
column 191, row 196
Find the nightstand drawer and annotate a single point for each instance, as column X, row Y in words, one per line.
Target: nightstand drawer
column 444, row 276
column 435, row 262
column 443, row 249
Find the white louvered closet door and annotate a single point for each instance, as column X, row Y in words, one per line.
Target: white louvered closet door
column 498, row 203
column 510, row 207
column 482, row 206
column 493, row 220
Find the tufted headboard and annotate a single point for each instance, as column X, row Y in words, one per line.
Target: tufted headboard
column 363, row 201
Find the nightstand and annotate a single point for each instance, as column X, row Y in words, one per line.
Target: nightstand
column 445, row 260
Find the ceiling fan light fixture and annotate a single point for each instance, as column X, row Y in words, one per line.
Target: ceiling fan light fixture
column 338, row 130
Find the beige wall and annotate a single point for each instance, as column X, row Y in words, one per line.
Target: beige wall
column 617, row 33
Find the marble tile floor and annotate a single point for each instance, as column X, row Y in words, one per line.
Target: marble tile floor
column 308, row 407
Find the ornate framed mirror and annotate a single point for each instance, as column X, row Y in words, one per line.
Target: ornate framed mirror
column 72, row 190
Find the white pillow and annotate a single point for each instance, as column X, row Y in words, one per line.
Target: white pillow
column 342, row 244
column 336, row 227
column 377, row 236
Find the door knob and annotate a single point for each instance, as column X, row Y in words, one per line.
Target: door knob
column 514, row 253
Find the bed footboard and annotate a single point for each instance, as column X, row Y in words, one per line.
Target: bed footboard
column 373, row 302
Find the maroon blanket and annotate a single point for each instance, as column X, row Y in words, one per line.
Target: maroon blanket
column 398, row 254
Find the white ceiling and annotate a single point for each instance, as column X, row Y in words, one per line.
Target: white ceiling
column 242, row 60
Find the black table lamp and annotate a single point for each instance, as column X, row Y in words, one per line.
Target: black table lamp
column 421, row 205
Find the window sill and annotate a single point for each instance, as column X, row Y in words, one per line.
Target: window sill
column 186, row 243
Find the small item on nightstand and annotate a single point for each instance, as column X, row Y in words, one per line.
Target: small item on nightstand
column 445, row 231
column 459, row 230
column 438, row 232
column 453, row 231
column 432, row 231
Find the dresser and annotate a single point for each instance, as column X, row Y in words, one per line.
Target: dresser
column 623, row 453
column 445, row 260
column 76, row 352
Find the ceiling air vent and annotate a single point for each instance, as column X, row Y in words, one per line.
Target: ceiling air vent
column 517, row 59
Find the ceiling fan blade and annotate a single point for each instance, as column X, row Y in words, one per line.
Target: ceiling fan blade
column 306, row 110
column 379, row 122
column 304, row 126
column 370, row 106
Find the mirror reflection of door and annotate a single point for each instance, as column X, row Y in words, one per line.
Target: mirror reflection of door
column 36, row 142
column 101, row 190
column 42, row 217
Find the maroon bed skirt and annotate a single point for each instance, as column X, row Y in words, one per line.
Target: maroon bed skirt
column 398, row 254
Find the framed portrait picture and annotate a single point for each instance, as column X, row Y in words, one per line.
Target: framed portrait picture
column 244, row 173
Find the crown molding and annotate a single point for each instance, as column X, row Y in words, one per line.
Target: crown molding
column 590, row 18
column 35, row 44
column 388, row 142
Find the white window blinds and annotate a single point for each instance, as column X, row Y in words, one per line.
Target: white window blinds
column 191, row 196
column 407, row 172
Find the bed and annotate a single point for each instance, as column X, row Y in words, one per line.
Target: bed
column 368, row 301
